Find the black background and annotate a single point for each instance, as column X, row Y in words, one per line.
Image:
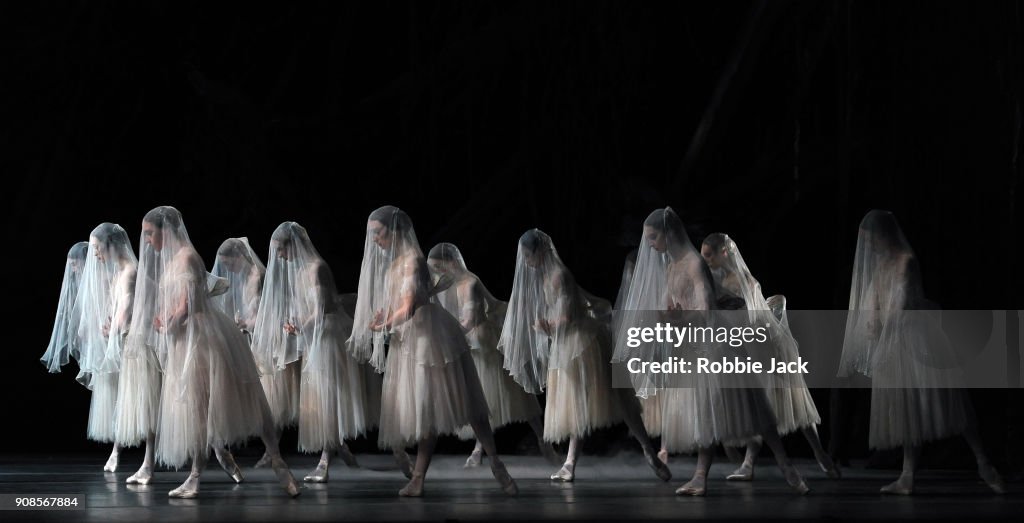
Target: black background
column 780, row 123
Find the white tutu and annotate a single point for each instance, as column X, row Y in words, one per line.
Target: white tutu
column 282, row 390
column 138, row 399
column 430, row 382
column 579, row 388
column 924, row 402
column 507, row 402
column 215, row 401
column 102, row 407
column 727, row 409
column 332, row 404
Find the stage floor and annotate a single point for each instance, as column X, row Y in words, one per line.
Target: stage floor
column 606, row 488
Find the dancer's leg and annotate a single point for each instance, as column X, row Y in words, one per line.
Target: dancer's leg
column 190, row 488
column 319, row 474
column 145, row 473
column 424, row 451
column 905, row 484
column 485, row 437
column 697, row 486
column 227, row 462
column 568, row 470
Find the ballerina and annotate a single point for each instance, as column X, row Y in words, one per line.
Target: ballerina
column 790, row 399
column 556, row 340
column 651, row 405
column 211, row 395
column 300, row 319
column 103, row 308
column 64, row 339
column 671, row 276
column 482, row 316
column 912, row 400
column 430, row 386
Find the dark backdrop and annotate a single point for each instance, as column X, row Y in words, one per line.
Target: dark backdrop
column 778, row 122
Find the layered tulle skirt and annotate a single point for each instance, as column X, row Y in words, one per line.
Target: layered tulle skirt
column 579, row 385
column 103, row 407
column 282, row 389
column 915, row 385
column 212, row 395
column 506, row 400
column 430, row 383
column 137, row 409
column 332, row 394
column 730, row 409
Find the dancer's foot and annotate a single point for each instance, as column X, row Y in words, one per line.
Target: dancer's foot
column 404, row 463
column 474, row 460
column 991, row 477
column 188, row 489
column 695, row 487
column 142, row 477
column 796, row 482
column 508, row 485
column 548, row 451
column 227, row 462
column 566, row 473
column 285, row 477
column 744, row 473
column 414, row 488
column 263, row 462
column 111, row 465
column 348, row 457
column 831, row 469
column 903, row 486
column 319, row 474
column 659, row 466
column 663, row 456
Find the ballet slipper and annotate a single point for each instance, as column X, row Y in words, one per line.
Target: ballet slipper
column 744, row 473
column 831, row 469
column 285, row 477
column 474, row 460
column 991, row 477
column 143, row 477
column 188, row 490
column 567, row 473
column 227, row 462
column 319, row 474
column 796, row 482
column 413, row 489
column 659, row 466
column 111, row 465
column 508, row 485
column 697, row 486
column 903, row 486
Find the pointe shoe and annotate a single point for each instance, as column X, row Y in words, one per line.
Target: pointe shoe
column 111, row 465
column 263, row 462
column 991, row 477
column 796, row 481
column 567, row 473
column 142, row 477
column 695, row 487
column 474, row 460
column 744, row 473
column 508, row 485
column 663, row 456
column 285, row 477
column 348, row 457
column 319, row 474
column 227, row 462
column 831, row 472
column 413, row 489
column 404, row 463
column 659, row 466
column 902, row 487
column 188, row 490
